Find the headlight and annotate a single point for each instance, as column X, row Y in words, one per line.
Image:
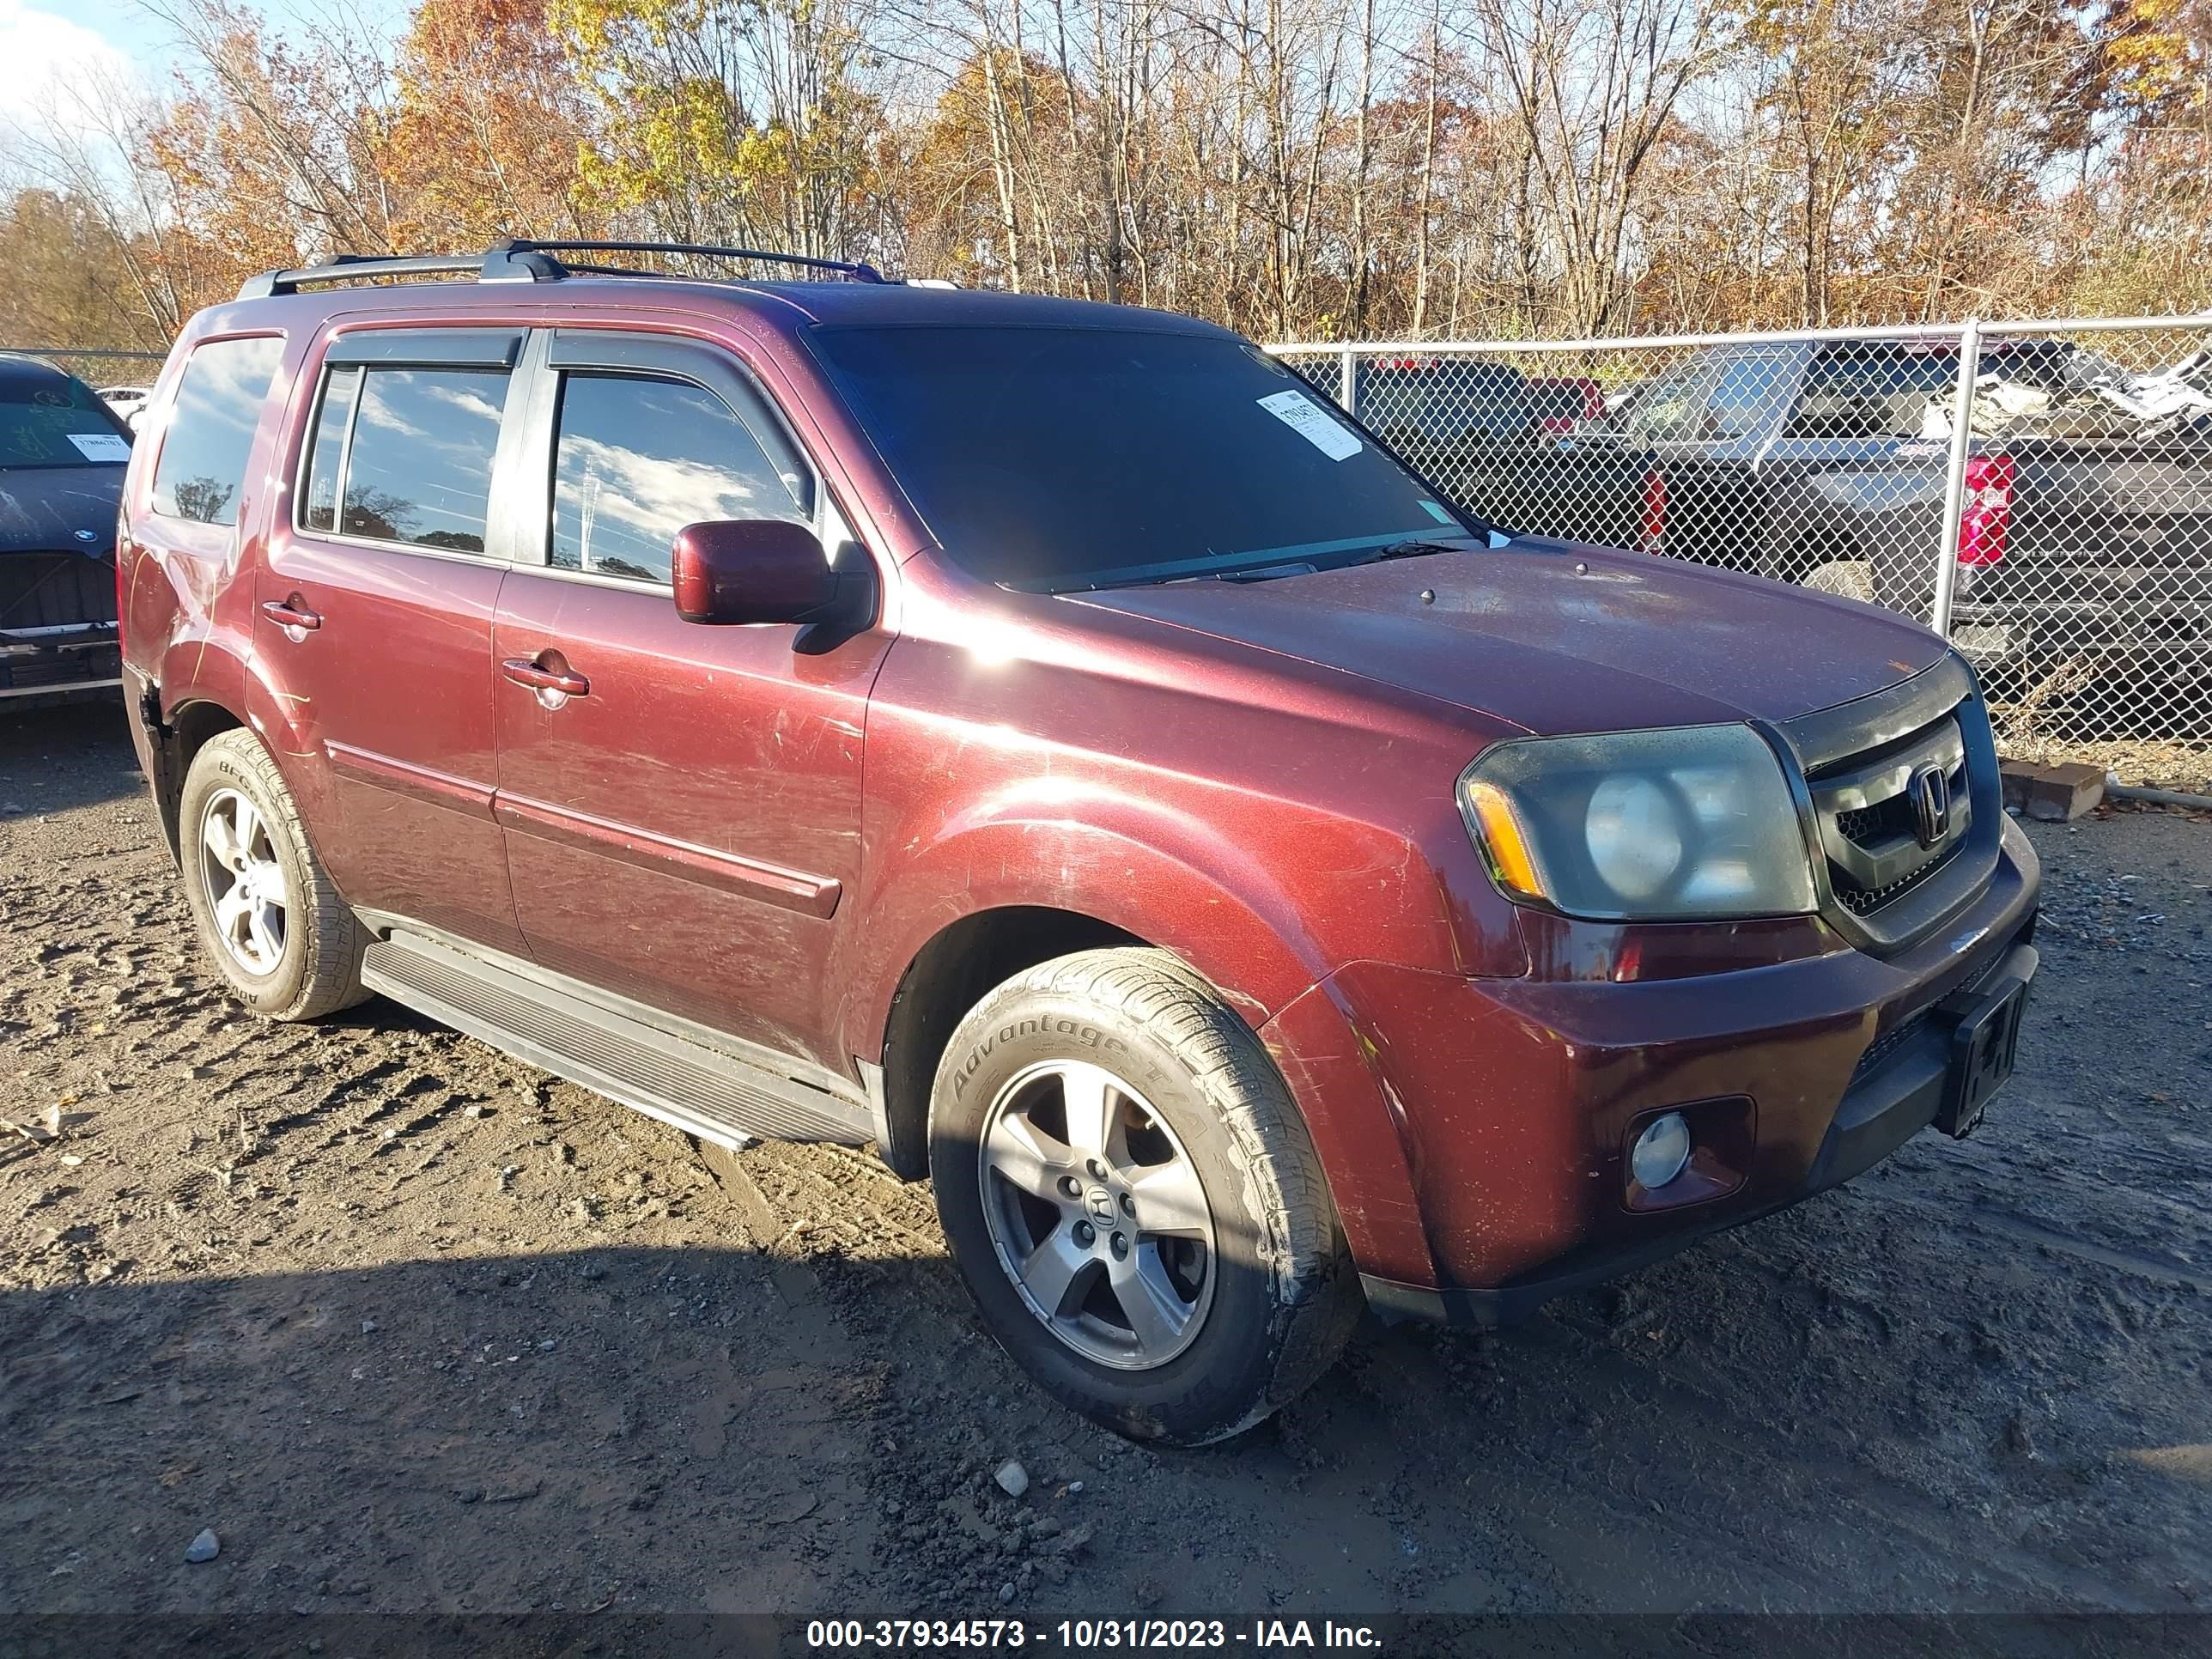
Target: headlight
column 1694, row 821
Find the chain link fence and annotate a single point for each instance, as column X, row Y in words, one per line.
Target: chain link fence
column 2060, row 533
column 2039, row 492
column 99, row 368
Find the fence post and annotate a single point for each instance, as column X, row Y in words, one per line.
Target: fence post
column 1347, row 380
column 1954, row 474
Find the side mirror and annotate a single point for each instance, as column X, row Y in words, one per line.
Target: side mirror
column 754, row 570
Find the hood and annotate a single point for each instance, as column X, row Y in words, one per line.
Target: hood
column 42, row 509
column 1635, row 641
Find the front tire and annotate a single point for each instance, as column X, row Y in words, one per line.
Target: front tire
column 1133, row 1201
column 267, row 913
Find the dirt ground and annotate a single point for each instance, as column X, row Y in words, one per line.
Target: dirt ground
column 411, row 1326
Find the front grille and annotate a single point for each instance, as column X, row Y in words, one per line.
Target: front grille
column 91, row 663
column 1887, row 886
column 1887, row 1045
column 1865, row 901
column 1870, row 821
column 49, row 590
column 1862, row 824
column 1870, row 826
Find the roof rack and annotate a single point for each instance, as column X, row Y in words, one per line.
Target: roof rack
column 519, row 261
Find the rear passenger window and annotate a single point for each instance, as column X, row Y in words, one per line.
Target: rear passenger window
column 1877, row 392
column 638, row 457
column 404, row 454
column 210, row 430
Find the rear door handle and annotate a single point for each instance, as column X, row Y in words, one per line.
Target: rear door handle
column 563, row 679
column 292, row 615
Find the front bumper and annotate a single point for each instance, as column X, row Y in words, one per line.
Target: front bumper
column 58, row 657
column 1475, row 1131
column 1906, row 1088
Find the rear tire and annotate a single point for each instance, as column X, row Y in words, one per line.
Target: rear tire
column 267, row 914
column 1175, row 1269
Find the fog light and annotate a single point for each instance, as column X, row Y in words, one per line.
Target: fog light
column 1659, row 1152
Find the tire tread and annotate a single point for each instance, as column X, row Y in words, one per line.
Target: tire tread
column 1314, row 1287
column 329, row 976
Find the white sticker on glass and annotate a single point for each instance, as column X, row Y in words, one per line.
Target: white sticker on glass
column 1312, row 423
column 101, row 446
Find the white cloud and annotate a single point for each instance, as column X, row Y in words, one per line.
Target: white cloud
column 51, row 63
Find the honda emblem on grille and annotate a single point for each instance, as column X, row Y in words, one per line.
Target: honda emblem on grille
column 1930, row 790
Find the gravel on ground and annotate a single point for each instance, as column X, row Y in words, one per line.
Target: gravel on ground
column 365, row 1316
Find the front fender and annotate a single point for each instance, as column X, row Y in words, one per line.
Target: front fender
column 1211, row 902
column 1136, row 865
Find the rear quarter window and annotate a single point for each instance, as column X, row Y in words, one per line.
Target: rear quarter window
column 210, row 433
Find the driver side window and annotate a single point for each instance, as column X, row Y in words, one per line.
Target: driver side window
column 638, row 457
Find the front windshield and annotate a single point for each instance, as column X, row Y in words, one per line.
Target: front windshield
column 47, row 421
column 1059, row 458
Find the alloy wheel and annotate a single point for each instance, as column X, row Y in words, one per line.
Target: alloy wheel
column 244, row 880
column 1097, row 1214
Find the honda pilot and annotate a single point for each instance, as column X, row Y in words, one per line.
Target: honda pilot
column 1050, row 744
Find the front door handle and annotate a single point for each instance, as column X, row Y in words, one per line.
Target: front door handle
column 292, row 615
column 565, row 680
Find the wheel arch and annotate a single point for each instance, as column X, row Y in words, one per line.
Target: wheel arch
column 1000, row 896
column 204, row 689
column 190, row 726
column 959, row 965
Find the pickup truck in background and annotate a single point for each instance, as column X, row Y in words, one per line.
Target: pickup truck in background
column 1457, row 405
column 1567, row 404
column 2086, row 544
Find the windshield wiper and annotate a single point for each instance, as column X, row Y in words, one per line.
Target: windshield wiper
column 1413, row 547
column 1211, row 568
column 1168, row 576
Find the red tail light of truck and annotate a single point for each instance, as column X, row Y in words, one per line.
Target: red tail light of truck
column 1654, row 539
column 1985, row 514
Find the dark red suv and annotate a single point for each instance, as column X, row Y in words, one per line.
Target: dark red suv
column 1049, row 742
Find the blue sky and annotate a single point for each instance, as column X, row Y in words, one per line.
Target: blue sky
column 126, row 26
column 44, row 40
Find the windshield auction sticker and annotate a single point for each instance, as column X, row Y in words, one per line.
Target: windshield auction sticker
column 101, row 446
column 1312, row 423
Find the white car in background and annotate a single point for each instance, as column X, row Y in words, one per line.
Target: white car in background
column 129, row 402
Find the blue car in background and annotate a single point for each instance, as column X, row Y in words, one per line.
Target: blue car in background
column 63, row 454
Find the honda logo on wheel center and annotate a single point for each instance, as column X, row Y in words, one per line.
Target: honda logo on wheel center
column 1102, row 1206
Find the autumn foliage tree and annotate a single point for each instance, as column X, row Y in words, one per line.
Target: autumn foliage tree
column 1316, row 169
column 489, row 126
column 741, row 122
